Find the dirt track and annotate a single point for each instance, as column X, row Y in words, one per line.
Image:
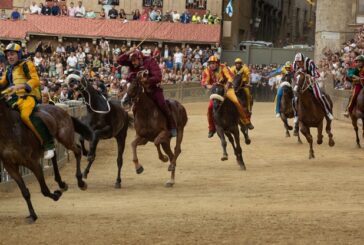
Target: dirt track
column 282, row 198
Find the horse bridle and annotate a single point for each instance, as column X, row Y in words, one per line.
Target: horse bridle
column 306, row 83
column 84, row 89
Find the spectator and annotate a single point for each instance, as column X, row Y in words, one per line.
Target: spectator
column 15, row 15
column 87, row 48
column 166, row 52
column 136, row 15
column 186, row 17
column 102, row 14
column 122, row 14
column 3, row 15
column 64, row 11
column 116, row 51
column 105, row 48
column 80, row 10
column 90, row 14
column 147, row 51
column 71, row 10
column 60, row 49
column 177, row 59
column 35, row 9
column 176, row 17
column 72, row 61
column 55, row 10
column 153, row 14
column 38, row 59
column 145, row 15
column 70, row 48
column 207, row 18
column 156, row 53
column 196, row 19
column 46, row 10
column 113, row 13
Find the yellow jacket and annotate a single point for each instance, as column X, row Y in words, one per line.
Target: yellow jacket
column 222, row 73
column 196, row 19
column 244, row 70
column 23, row 73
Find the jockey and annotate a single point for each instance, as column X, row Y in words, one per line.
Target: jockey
column 287, row 76
column 136, row 62
column 305, row 64
column 215, row 73
column 357, row 76
column 245, row 79
column 22, row 84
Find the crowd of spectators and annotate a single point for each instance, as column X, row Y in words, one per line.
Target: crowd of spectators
column 153, row 13
column 337, row 64
column 99, row 64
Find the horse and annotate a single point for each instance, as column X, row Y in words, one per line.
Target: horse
column 106, row 118
column 151, row 126
column 226, row 118
column 20, row 147
column 311, row 113
column 240, row 93
column 358, row 113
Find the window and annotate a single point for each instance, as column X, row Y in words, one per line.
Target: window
column 150, row 3
column 360, row 9
column 196, row 4
column 109, row 2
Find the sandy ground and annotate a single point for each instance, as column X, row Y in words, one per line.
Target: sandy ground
column 282, row 198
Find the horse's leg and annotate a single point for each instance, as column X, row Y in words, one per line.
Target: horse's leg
column 286, row 126
column 299, row 141
column 220, row 133
column 120, row 138
column 329, row 133
column 57, row 175
column 362, row 120
column 238, row 150
column 137, row 141
column 319, row 133
column 13, row 171
column 82, row 142
column 78, row 154
column 172, row 167
column 306, row 132
column 99, row 134
column 177, row 148
column 161, row 156
column 245, row 132
column 354, row 122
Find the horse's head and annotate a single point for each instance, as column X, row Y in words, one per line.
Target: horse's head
column 237, row 81
column 303, row 82
column 135, row 87
column 75, row 80
column 217, row 95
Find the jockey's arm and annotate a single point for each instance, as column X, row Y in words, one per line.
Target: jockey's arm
column 229, row 76
column 3, row 81
column 33, row 82
column 124, row 60
column 205, row 81
column 155, row 73
column 246, row 74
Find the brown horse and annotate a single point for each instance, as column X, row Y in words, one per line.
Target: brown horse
column 358, row 113
column 20, row 147
column 311, row 113
column 151, row 125
column 106, row 118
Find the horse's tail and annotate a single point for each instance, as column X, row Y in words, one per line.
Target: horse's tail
column 82, row 129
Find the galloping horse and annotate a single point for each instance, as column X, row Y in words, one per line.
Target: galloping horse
column 311, row 113
column 226, row 118
column 240, row 93
column 358, row 113
column 106, row 119
column 20, row 147
column 151, row 125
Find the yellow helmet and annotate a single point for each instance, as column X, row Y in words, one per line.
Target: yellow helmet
column 212, row 58
column 238, row 60
column 13, row 47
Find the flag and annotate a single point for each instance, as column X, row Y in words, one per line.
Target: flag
column 229, row 8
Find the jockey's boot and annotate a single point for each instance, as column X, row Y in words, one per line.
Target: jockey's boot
column 49, row 154
column 330, row 116
column 48, row 142
column 278, row 115
column 211, row 133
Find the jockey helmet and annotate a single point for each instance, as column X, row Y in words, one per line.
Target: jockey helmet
column 288, row 64
column 14, row 47
column 299, row 57
column 212, row 58
column 359, row 58
column 136, row 54
column 238, row 60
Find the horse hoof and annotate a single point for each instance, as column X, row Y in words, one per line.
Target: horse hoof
column 31, row 219
column 248, row 141
column 91, row 158
column 169, row 184
column 117, row 185
column 84, row 187
column 288, row 135
column 224, row 158
column 57, row 194
column 85, row 175
column 290, row 127
column 299, row 142
column 331, row 143
column 64, row 187
column 358, row 145
column 139, row 170
column 319, row 142
column 242, row 167
column 171, row 167
column 295, row 133
column 164, row 159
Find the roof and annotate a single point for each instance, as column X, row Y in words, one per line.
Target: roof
column 110, row 29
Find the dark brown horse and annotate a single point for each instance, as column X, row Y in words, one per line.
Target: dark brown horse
column 358, row 113
column 106, row 118
column 311, row 112
column 151, row 125
column 226, row 118
column 20, row 147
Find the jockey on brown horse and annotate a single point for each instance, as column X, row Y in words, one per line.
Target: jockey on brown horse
column 22, row 84
column 219, row 73
column 307, row 66
column 136, row 62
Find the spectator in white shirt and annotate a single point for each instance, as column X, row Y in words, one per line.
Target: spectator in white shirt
column 34, row 9
column 38, row 59
column 80, row 10
column 178, row 59
column 71, row 10
column 72, row 60
column 165, row 52
column 146, row 51
column 176, row 16
column 60, row 49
